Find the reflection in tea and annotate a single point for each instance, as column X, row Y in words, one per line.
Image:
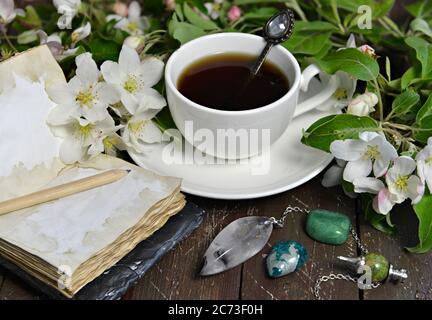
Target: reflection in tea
column 223, row 82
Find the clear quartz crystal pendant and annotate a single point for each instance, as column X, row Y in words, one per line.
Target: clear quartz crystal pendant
column 236, row 243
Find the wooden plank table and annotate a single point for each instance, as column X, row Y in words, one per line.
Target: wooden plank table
column 175, row 276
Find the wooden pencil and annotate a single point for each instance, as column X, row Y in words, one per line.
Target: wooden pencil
column 62, row 191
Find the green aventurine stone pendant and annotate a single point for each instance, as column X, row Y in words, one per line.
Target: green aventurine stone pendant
column 328, row 226
column 380, row 268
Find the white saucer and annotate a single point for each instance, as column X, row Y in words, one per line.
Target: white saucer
column 291, row 164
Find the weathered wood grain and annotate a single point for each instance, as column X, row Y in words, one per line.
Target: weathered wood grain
column 13, row 288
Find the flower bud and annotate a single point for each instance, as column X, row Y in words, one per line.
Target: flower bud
column 135, row 42
column 363, row 104
column 234, row 13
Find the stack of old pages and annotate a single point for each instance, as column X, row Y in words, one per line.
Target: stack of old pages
column 68, row 242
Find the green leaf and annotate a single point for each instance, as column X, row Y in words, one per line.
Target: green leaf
column 243, row 2
column 388, row 68
column 424, row 53
column 183, row 31
column 164, row 119
column 377, row 220
column 420, row 9
column 409, row 75
column 195, row 19
column 27, row 37
column 405, row 103
column 425, row 124
column 260, row 13
column 31, row 18
column 422, row 26
column 336, row 127
column 306, row 26
column 423, row 212
column 425, row 110
column 103, row 50
column 352, row 61
column 309, row 44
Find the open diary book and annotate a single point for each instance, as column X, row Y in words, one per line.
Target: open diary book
column 68, row 242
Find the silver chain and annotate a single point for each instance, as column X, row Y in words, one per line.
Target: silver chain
column 279, row 223
column 357, row 240
column 338, row 276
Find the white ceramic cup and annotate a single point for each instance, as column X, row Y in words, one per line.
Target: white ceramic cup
column 272, row 118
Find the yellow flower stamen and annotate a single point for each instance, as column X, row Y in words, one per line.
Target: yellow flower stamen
column 133, row 27
column 401, row 183
column 85, row 98
column 429, row 161
column 372, row 152
column 132, row 84
column 136, row 127
column 83, row 132
column 340, row 94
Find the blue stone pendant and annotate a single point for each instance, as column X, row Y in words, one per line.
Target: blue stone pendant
column 286, row 257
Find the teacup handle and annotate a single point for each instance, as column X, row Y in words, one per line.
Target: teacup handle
column 314, row 101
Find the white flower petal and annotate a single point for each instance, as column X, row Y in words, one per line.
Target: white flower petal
column 369, row 136
column 332, row 177
column 415, row 189
column 129, row 60
column 134, row 11
column 151, row 99
column 129, row 101
column 383, row 202
column 357, row 169
column 368, row 185
column 107, row 93
column 151, row 71
column 404, row 165
column 60, row 94
column 112, row 72
column 150, row 133
column 349, row 149
column 72, row 150
column 87, row 70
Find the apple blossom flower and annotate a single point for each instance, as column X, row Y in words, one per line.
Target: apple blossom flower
column 170, row 5
column 140, row 131
column 68, row 10
column 234, row 13
column 402, row 183
column 368, row 50
column 81, row 33
column 133, row 80
column 370, row 152
column 424, row 164
column 134, row 23
column 83, row 139
column 83, row 96
column 214, row 8
column 363, row 104
column 120, row 9
column 8, row 12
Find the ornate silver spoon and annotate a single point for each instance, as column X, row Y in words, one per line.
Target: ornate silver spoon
column 277, row 29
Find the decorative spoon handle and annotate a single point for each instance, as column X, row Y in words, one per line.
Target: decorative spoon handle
column 261, row 58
